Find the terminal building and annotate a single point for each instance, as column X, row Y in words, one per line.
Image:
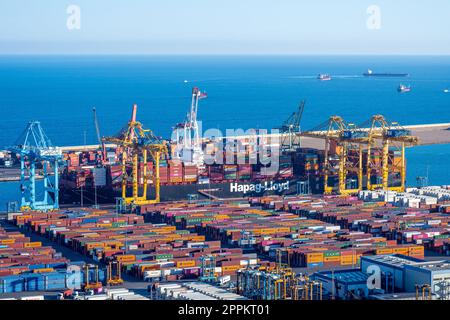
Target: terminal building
column 401, row 277
column 392, row 270
column 343, row 284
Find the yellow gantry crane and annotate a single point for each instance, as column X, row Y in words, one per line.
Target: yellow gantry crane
column 352, row 141
column 398, row 137
column 114, row 273
column 137, row 143
column 376, row 132
column 331, row 131
column 392, row 139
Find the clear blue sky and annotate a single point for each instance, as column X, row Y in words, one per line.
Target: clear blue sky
column 225, row 27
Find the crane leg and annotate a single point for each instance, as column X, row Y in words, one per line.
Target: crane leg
column 385, row 170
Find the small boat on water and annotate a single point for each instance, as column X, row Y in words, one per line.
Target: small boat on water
column 446, row 90
column 324, row 77
column 404, row 88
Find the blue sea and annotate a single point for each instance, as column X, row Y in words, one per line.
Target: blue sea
column 243, row 92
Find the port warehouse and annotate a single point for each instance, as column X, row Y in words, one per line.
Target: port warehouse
column 167, row 241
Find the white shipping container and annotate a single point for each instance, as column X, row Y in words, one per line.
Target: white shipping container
column 152, row 274
column 32, row 298
column 110, row 292
column 97, row 297
column 116, row 296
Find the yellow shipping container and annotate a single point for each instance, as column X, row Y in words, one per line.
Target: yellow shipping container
column 7, row 241
column 221, row 216
column 348, row 259
column 332, row 259
column 231, row 268
column 92, row 245
column 314, row 257
column 197, row 238
column 43, row 270
column 165, row 228
column 186, row 264
column 36, row 244
column 104, row 225
column 91, row 235
column 403, row 251
column 126, row 258
column 384, row 251
column 268, row 230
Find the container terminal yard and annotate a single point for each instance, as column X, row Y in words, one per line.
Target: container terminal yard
column 138, row 217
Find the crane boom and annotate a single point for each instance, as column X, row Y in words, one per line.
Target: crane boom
column 97, row 130
column 290, row 129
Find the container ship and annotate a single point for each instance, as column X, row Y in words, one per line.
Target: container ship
column 179, row 180
column 299, row 172
column 239, row 168
column 370, row 73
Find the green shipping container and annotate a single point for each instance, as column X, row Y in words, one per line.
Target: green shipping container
column 164, row 256
column 331, row 254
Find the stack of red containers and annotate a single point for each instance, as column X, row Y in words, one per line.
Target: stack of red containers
column 190, row 173
column 216, row 173
column 163, row 173
column 244, row 172
column 175, row 171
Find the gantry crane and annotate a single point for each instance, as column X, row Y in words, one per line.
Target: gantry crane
column 280, row 283
column 387, row 135
column 208, row 267
column 139, row 142
column 186, row 135
column 95, row 284
column 353, row 141
column 35, row 148
column 377, row 126
column 290, row 129
column 331, row 131
column 399, row 137
column 114, row 273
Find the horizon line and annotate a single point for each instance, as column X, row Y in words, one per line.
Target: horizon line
column 221, row 54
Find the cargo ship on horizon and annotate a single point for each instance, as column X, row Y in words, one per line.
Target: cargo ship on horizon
column 370, row 73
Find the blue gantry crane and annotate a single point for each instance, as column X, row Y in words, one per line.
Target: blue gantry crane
column 35, row 149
